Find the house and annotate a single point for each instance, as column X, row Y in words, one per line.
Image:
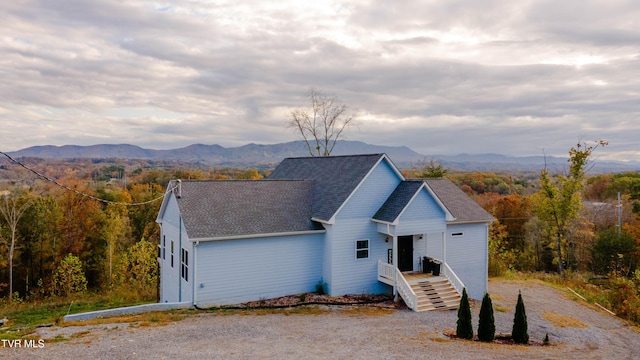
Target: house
column 353, row 223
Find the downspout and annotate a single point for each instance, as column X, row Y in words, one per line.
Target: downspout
column 194, row 276
column 179, row 247
column 486, row 261
column 444, row 247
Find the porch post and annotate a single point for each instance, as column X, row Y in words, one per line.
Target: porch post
column 394, row 256
column 444, row 247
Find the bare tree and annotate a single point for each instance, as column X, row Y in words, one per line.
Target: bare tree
column 12, row 207
column 322, row 123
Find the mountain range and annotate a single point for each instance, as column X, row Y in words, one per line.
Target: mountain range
column 267, row 156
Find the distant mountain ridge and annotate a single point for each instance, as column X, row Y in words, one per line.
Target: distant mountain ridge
column 255, row 155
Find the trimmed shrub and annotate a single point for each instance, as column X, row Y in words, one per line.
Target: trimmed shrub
column 464, row 330
column 486, row 325
column 520, row 331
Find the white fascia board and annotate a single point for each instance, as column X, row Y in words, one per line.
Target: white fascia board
column 257, row 236
column 382, row 222
column 328, row 222
column 383, row 157
column 165, row 201
column 449, row 216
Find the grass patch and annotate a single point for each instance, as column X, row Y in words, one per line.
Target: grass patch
column 563, row 321
column 502, row 309
column 367, row 311
column 24, row 317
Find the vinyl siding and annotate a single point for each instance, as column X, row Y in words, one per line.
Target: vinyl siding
column 170, row 276
column 372, row 193
column 237, row 271
column 466, row 255
column 351, row 275
column 422, row 215
column 353, row 222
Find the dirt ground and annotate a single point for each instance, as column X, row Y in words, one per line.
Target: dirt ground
column 576, row 330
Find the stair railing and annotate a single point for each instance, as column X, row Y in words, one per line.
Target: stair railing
column 404, row 289
column 453, row 278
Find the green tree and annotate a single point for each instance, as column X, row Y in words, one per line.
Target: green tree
column 520, row 331
column 486, row 324
column 614, row 252
column 558, row 201
column 431, row 169
column 137, row 269
column 69, row 277
column 464, row 328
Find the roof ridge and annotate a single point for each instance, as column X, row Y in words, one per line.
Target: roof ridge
column 334, row 156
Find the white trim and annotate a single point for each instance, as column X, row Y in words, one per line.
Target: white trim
column 368, row 249
column 397, row 219
column 257, row 236
column 449, row 216
column 332, row 220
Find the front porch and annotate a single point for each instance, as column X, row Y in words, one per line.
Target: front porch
column 423, row 291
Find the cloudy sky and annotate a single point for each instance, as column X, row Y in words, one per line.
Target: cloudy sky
column 442, row 77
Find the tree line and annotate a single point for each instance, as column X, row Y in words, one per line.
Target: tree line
column 85, row 212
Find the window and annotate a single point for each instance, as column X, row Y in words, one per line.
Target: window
column 171, row 253
column 184, row 259
column 164, row 246
column 362, row 249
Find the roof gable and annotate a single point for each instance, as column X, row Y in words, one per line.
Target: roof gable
column 228, row 208
column 398, row 201
column 459, row 204
column 335, row 178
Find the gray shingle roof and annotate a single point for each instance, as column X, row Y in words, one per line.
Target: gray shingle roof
column 225, row 208
column 335, row 178
column 459, row 204
column 398, row 200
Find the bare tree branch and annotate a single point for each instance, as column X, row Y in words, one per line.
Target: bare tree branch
column 322, row 123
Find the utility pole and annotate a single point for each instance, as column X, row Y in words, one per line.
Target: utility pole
column 619, row 211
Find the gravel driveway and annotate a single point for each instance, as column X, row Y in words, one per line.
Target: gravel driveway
column 575, row 331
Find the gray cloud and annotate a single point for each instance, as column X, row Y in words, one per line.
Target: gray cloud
column 449, row 77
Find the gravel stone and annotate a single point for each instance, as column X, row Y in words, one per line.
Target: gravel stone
column 342, row 332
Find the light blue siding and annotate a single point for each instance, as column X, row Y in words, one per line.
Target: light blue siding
column 423, row 215
column 371, row 194
column 171, row 285
column 434, row 245
column 353, row 222
column 236, row 271
column 467, row 254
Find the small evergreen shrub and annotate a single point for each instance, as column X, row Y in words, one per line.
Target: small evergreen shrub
column 520, row 332
column 486, row 325
column 321, row 287
column 546, row 341
column 464, row 329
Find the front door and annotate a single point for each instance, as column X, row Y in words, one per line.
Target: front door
column 405, row 253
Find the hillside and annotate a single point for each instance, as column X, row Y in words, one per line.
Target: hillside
column 265, row 156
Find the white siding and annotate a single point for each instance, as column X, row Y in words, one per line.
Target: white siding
column 236, row 271
column 467, row 256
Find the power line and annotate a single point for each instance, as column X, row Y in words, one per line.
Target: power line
column 46, row 178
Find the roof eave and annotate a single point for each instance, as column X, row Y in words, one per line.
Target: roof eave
column 257, row 236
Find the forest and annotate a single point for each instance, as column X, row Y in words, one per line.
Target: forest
column 87, row 225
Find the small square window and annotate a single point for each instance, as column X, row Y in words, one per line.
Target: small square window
column 362, row 249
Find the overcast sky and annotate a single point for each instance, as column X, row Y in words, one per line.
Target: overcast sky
column 442, row 77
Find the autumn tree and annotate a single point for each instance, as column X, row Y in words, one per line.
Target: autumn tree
column 558, row 201
column 322, row 123
column 12, row 206
column 69, row 277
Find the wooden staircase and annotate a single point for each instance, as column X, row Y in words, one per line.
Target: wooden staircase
column 435, row 294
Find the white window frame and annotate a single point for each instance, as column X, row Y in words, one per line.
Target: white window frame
column 184, row 264
column 367, row 249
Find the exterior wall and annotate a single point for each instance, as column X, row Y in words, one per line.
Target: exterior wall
column 422, row 215
column 353, row 222
column 171, row 284
column 467, row 256
column 434, row 245
column 237, row 271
